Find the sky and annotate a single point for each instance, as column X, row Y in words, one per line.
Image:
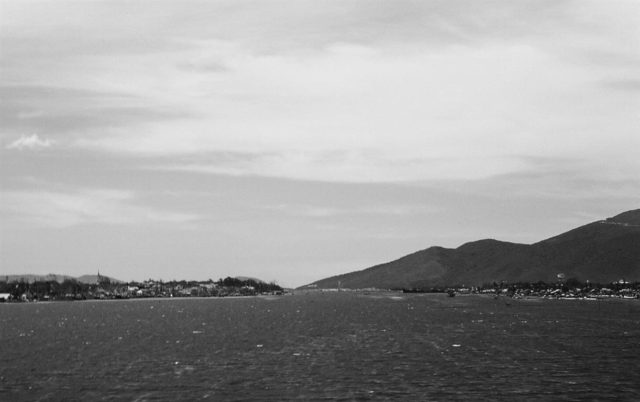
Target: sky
column 295, row 140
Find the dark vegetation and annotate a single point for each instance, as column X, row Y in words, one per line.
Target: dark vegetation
column 71, row 289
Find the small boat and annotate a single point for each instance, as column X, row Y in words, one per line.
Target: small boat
column 451, row 293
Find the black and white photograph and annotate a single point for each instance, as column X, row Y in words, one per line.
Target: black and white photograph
column 319, row 200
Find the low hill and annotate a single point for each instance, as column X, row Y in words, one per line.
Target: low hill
column 30, row 278
column 248, row 278
column 94, row 279
column 601, row 251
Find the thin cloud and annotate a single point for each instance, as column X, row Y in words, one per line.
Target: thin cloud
column 68, row 110
column 88, row 206
column 309, row 211
column 321, row 211
column 353, row 167
column 31, row 142
column 630, row 85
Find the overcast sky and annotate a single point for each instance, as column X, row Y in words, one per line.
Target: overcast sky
column 294, row 140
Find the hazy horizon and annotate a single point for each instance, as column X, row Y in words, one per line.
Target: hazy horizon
column 296, row 140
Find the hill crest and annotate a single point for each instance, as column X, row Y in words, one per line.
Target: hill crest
column 601, row 251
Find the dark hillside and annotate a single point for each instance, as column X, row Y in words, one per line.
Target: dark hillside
column 601, row 251
column 423, row 265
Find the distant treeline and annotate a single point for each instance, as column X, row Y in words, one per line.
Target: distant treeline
column 71, row 289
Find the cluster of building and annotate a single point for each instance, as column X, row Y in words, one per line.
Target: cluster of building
column 620, row 289
column 105, row 289
column 152, row 288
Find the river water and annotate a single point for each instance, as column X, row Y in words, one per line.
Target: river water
column 321, row 346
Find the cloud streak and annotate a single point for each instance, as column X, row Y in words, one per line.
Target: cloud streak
column 354, row 167
column 85, row 207
column 68, row 114
column 321, row 211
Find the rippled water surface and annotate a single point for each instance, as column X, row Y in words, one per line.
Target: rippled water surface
column 322, row 346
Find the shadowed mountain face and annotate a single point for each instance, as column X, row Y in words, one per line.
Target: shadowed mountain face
column 601, row 251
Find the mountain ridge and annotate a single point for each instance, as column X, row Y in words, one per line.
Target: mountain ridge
column 600, row 251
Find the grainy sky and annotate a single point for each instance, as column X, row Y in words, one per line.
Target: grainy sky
column 293, row 140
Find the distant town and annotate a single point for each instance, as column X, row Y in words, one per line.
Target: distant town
column 22, row 290
column 569, row 289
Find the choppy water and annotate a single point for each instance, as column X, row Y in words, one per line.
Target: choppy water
column 327, row 346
